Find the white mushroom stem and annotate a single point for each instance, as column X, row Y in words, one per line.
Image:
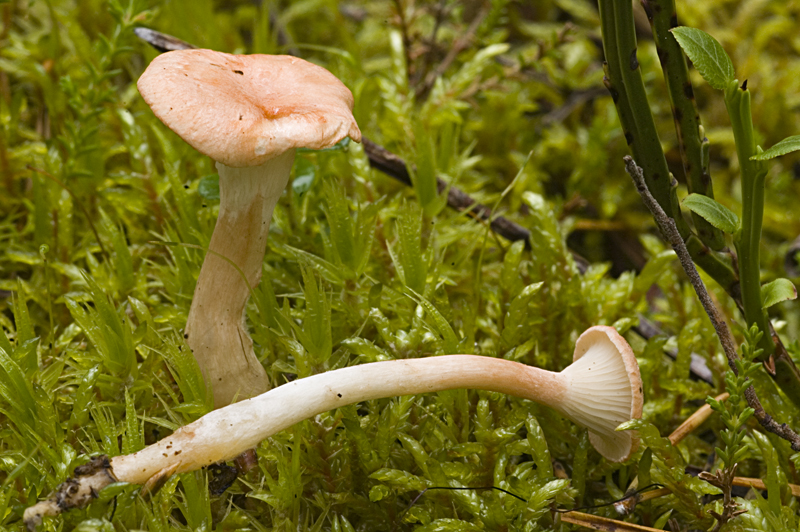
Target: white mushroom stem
column 225, row 433
column 216, row 328
column 598, row 391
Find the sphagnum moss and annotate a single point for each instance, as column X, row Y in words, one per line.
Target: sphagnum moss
column 78, row 148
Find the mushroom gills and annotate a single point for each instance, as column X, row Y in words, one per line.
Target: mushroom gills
column 599, row 394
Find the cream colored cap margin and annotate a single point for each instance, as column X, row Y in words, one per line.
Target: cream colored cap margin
column 616, row 446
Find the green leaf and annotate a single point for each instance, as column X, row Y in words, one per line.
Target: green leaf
column 787, row 145
column 107, row 329
column 713, row 212
column 132, row 438
column 378, row 492
column 16, row 390
column 94, row 525
column 410, row 260
column 777, row 291
column 707, row 55
column 208, row 187
column 21, row 316
column 539, row 449
column 438, row 324
column 305, row 172
column 517, row 319
column 399, row 479
column 423, row 175
column 315, row 333
column 645, row 463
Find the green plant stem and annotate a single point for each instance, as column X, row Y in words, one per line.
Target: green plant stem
column 737, row 100
column 663, row 17
column 624, row 81
column 625, row 77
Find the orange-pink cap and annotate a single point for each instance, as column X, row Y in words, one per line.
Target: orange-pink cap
column 243, row 110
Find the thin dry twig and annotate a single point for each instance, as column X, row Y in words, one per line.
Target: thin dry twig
column 670, row 232
column 596, row 522
column 459, row 46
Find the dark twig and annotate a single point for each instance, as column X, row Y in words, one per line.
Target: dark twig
column 161, row 41
column 460, row 44
column 670, row 231
column 723, row 479
column 421, row 70
column 698, row 368
column 390, row 164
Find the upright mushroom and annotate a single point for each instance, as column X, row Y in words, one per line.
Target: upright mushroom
column 600, row 390
column 249, row 113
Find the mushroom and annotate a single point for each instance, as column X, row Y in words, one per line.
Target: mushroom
column 600, row 390
column 249, row 113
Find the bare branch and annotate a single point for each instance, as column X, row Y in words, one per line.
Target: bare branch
column 670, row 232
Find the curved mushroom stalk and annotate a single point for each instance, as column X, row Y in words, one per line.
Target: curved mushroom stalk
column 599, row 391
column 216, row 322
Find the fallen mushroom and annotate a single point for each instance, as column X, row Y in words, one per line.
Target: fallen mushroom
column 600, row 390
column 249, row 113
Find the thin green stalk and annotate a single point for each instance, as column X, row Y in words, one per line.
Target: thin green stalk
column 737, row 100
column 625, row 76
column 624, row 81
column 613, row 77
column 663, row 17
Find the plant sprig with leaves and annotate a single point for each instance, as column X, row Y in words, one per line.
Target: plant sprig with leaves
column 740, row 278
column 717, row 69
column 734, row 414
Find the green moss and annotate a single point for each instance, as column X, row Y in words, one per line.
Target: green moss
column 104, row 214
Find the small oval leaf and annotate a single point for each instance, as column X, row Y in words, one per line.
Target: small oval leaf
column 777, row 291
column 787, row 145
column 707, row 55
column 713, row 212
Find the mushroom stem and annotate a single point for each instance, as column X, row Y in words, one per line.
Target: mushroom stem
column 227, row 432
column 599, row 391
column 216, row 322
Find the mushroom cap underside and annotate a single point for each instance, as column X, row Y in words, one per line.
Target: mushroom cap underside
column 243, row 110
column 605, row 390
